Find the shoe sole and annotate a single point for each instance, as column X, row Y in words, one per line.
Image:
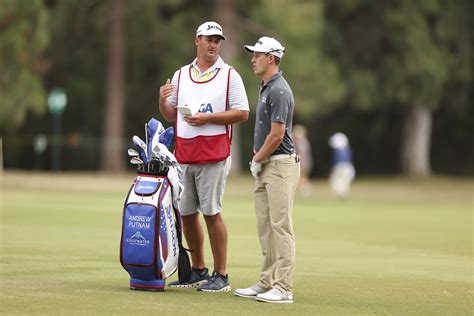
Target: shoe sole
column 272, row 301
column 245, row 296
column 190, row 285
column 224, row 289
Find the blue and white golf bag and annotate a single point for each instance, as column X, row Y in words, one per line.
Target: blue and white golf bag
column 151, row 247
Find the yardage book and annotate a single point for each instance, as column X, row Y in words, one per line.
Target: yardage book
column 186, row 110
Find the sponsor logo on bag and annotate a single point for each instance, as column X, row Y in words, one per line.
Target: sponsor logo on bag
column 167, row 231
column 142, row 187
column 138, row 239
column 171, row 229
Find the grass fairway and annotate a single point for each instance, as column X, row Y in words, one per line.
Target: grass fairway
column 396, row 247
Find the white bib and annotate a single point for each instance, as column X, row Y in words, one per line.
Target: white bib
column 209, row 142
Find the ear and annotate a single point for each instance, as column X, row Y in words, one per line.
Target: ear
column 271, row 59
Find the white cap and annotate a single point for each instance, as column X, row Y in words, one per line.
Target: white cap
column 338, row 140
column 209, row 29
column 267, row 45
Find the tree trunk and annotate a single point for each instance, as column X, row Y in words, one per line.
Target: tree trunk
column 226, row 16
column 416, row 142
column 113, row 153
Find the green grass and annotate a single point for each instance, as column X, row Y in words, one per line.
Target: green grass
column 396, row 247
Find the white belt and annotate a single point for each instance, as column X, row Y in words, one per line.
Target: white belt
column 277, row 157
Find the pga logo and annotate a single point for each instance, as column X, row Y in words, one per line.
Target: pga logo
column 205, row 108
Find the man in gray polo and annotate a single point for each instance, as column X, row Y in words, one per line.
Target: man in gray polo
column 276, row 169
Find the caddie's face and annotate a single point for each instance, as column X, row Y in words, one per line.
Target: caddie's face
column 208, row 47
column 260, row 63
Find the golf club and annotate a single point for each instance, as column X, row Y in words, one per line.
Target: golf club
column 141, row 146
column 166, row 138
column 137, row 161
column 132, row 152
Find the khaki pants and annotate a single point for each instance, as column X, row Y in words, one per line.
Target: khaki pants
column 274, row 195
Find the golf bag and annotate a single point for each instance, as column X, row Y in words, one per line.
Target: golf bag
column 151, row 247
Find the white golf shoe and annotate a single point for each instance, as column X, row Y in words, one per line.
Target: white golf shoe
column 275, row 295
column 250, row 292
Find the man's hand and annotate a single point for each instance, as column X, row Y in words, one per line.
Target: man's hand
column 255, row 168
column 166, row 90
column 198, row 119
column 168, row 112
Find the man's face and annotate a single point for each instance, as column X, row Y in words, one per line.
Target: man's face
column 260, row 63
column 208, row 47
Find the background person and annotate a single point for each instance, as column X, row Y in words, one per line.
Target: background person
column 342, row 170
column 276, row 170
column 203, row 149
column 303, row 149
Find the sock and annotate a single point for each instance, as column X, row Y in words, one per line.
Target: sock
column 199, row 271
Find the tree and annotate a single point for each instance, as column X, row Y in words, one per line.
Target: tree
column 397, row 53
column 226, row 15
column 115, row 90
column 23, row 38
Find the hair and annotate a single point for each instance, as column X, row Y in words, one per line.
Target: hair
column 277, row 59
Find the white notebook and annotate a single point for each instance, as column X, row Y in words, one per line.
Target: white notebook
column 186, row 110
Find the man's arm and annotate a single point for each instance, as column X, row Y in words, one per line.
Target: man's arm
column 231, row 116
column 272, row 142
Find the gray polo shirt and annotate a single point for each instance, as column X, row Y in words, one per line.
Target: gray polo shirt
column 275, row 104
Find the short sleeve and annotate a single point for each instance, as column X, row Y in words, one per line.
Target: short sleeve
column 279, row 102
column 237, row 94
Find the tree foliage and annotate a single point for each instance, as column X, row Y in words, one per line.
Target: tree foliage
column 299, row 26
column 23, row 38
column 402, row 54
column 398, row 53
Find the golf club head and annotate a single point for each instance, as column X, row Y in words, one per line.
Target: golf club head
column 132, row 152
column 136, row 161
column 166, row 138
column 141, row 147
column 153, row 127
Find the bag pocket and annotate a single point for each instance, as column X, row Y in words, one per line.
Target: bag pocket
column 138, row 236
column 146, row 186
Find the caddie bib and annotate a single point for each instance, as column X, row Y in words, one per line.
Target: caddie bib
column 207, row 143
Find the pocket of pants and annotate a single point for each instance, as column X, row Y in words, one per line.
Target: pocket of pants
column 284, row 166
